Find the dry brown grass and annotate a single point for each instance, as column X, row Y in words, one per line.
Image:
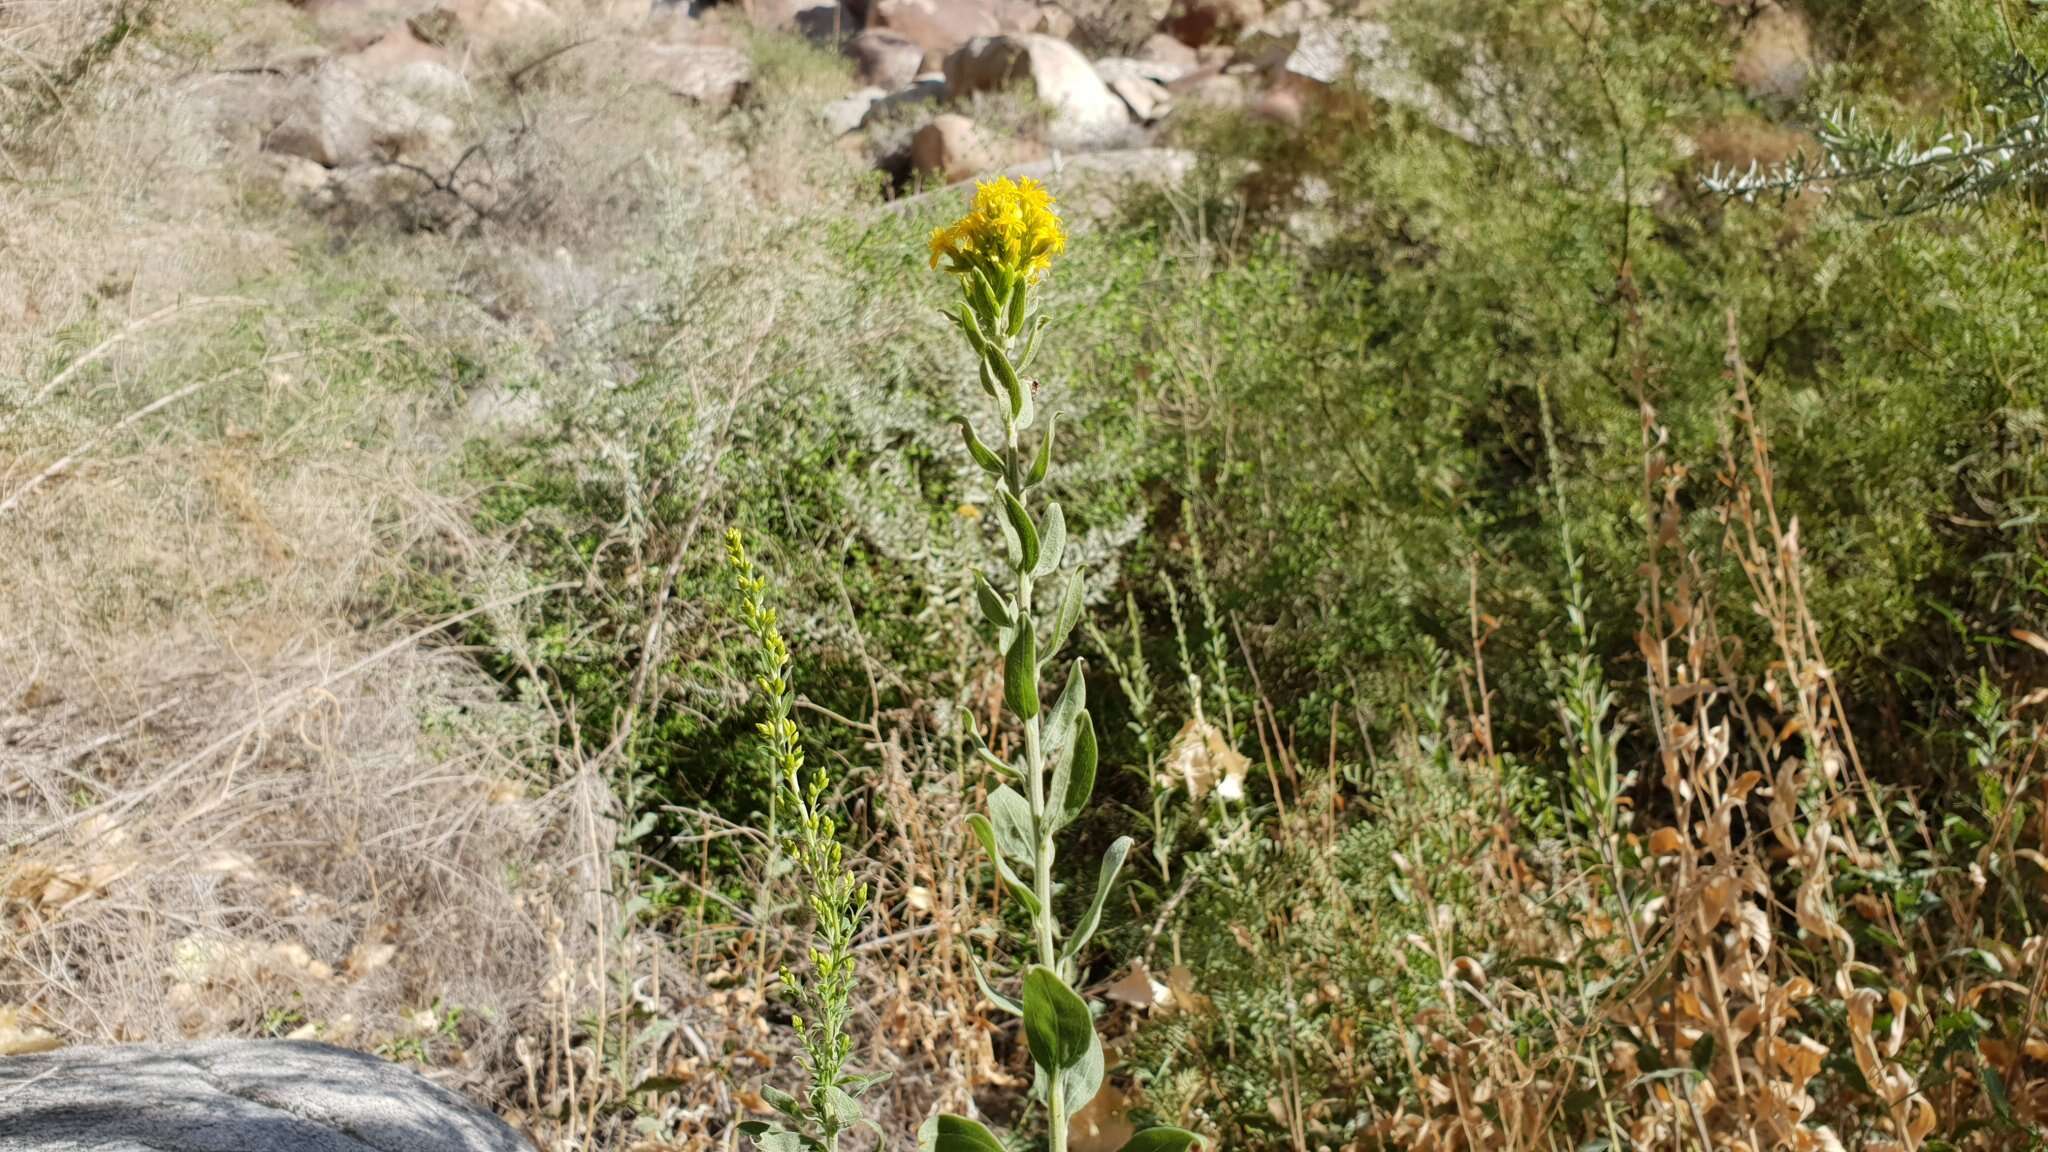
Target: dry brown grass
column 242, row 790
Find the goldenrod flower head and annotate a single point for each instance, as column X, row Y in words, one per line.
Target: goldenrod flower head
column 1012, row 227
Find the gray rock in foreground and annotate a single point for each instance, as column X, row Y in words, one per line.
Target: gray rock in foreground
column 234, row 1096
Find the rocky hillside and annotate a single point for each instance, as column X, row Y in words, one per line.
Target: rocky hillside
column 377, row 378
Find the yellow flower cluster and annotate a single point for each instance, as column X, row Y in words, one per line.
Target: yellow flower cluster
column 1012, row 227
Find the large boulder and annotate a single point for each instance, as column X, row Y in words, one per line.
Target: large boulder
column 1052, row 20
column 707, row 72
column 1209, row 88
column 826, row 21
column 846, row 113
column 401, row 59
column 924, row 90
column 350, row 24
column 1774, row 57
column 940, row 27
column 1091, row 186
column 337, row 119
column 1084, row 111
column 1199, row 22
column 1169, row 55
column 1140, row 85
column 1303, row 54
column 949, row 149
column 234, row 1096
column 512, row 21
column 885, row 59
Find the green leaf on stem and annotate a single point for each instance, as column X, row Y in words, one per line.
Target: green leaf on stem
column 1057, row 1025
column 1052, row 541
column 1074, row 774
column 1025, row 533
column 948, row 1133
column 1112, row 863
column 1079, row 1084
column 1069, row 614
column 1018, row 307
column 1020, row 671
column 994, row 997
column 986, row 833
column 1162, row 1139
column 1041, row 464
column 982, row 453
column 1011, row 815
column 995, row 607
column 1059, row 727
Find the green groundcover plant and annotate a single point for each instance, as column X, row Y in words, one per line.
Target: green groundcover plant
column 996, row 252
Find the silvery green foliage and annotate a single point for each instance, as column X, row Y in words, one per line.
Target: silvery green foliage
column 1034, row 603
column 1882, row 172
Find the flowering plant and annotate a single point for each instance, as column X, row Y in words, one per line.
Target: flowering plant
column 997, row 253
column 838, row 902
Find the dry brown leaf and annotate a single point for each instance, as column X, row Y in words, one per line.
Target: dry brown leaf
column 2032, row 640
column 1138, row 989
column 1200, row 759
column 1104, row 1125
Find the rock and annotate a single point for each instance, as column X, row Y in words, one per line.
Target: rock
column 825, row 21
column 949, row 149
column 1302, row 54
column 1139, row 85
column 1209, row 88
column 1774, row 57
column 1091, row 186
column 709, row 73
column 300, row 179
column 350, row 24
column 1168, row 55
column 885, row 59
column 1199, row 22
column 1084, row 111
column 497, row 21
column 848, row 112
column 1053, row 20
column 923, row 90
column 400, row 59
column 1267, row 41
column 336, row 119
column 938, row 27
column 1325, row 51
column 1133, row 66
column 1283, row 103
column 248, row 1096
